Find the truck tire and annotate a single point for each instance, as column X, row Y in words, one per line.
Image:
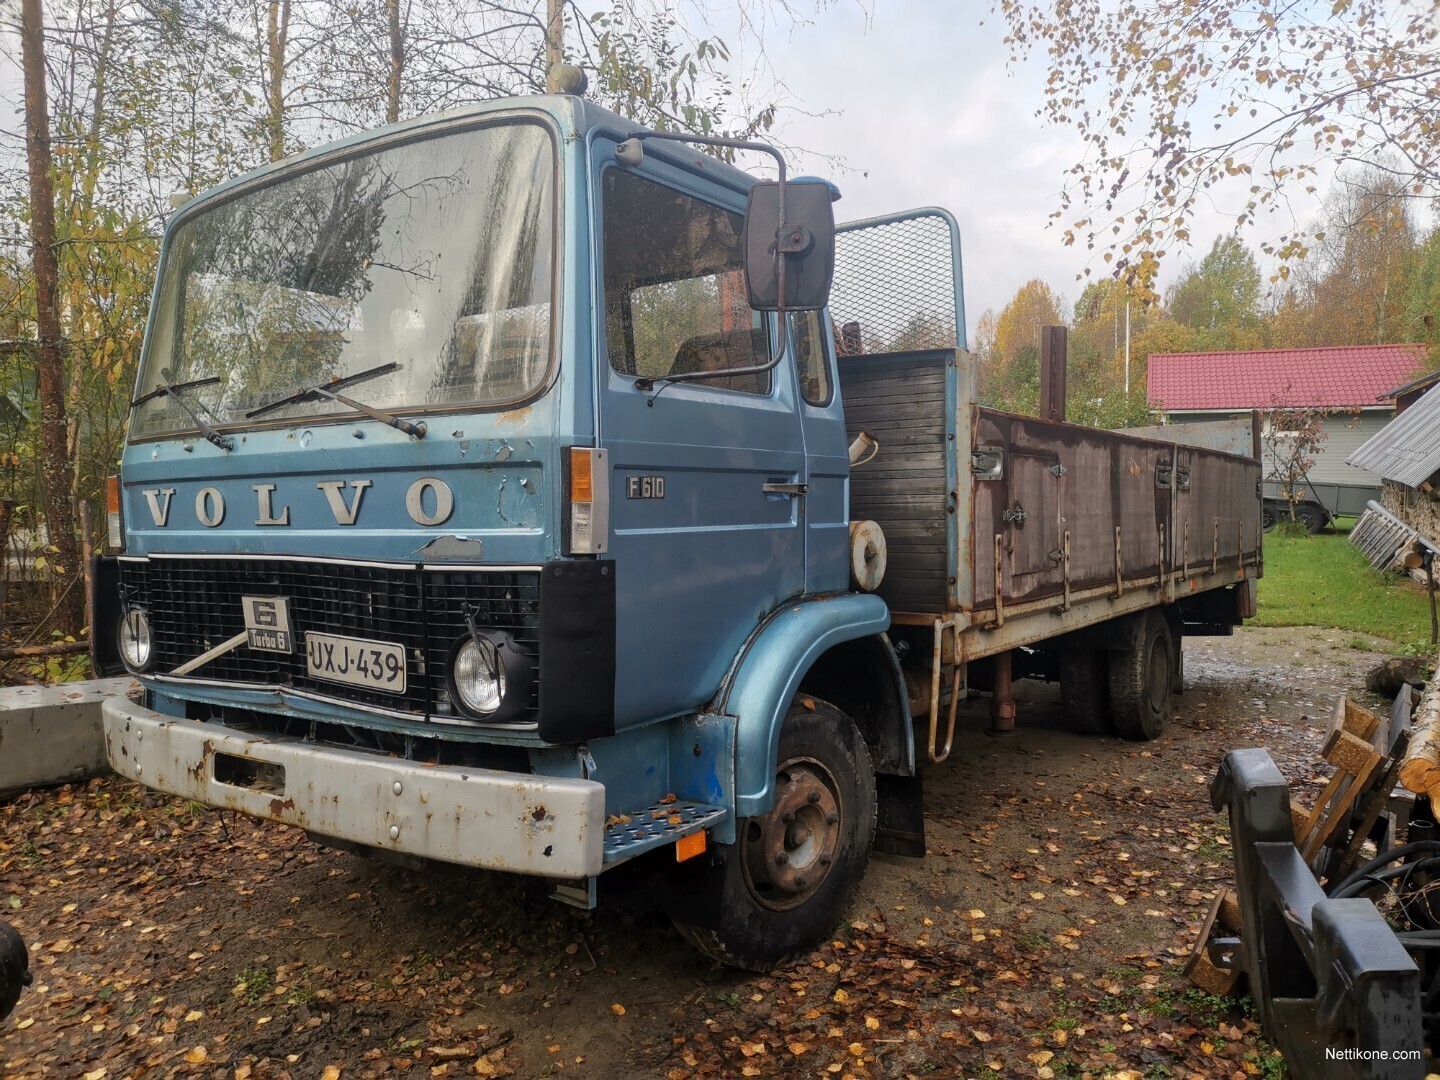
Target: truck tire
column 1269, row 516
column 1085, row 690
column 1311, row 516
column 1142, row 680
column 14, row 968
column 793, row 872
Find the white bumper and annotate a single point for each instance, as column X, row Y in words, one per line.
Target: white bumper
column 548, row 826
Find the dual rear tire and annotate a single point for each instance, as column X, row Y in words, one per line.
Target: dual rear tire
column 1129, row 692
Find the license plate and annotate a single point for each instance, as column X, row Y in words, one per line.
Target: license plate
column 376, row 665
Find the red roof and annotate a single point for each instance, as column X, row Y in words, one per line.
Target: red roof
column 1342, row 376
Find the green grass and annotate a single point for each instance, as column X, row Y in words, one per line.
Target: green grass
column 1322, row 580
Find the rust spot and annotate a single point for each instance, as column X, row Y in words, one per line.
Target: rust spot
column 539, row 813
column 279, row 806
column 515, row 416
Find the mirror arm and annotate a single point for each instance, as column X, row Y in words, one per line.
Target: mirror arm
column 781, row 338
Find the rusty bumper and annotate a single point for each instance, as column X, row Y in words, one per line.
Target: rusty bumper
column 548, row 826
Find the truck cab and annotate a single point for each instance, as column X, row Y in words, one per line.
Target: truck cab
column 444, row 529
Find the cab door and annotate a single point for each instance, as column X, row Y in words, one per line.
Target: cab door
column 707, row 477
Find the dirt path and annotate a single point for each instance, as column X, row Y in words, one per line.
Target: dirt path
column 1042, row 937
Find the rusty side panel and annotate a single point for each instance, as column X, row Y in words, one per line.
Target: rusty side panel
column 1177, row 509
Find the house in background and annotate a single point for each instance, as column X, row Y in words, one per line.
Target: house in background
column 1405, row 454
column 1354, row 384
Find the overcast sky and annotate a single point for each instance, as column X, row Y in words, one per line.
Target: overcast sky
column 929, row 113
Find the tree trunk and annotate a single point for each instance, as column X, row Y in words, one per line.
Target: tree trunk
column 277, row 30
column 50, row 359
column 397, row 61
column 554, row 42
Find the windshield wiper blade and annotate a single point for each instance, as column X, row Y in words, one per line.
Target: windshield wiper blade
column 330, row 390
column 172, row 390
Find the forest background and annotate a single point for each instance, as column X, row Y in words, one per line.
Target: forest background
column 129, row 101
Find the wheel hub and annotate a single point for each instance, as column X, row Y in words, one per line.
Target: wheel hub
column 788, row 853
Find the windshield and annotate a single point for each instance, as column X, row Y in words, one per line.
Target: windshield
column 435, row 255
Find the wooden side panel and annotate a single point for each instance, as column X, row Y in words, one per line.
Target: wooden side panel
column 1176, row 508
column 901, row 402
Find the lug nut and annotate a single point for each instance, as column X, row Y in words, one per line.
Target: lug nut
column 813, row 797
column 800, row 882
column 824, row 860
column 787, row 817
column 832, row 819
column 781, row 858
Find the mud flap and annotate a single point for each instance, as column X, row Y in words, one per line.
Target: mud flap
column 900, row 816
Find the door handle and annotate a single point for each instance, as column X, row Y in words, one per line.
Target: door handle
column 785, row 489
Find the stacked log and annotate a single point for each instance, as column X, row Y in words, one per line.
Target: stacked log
column 1420, row 771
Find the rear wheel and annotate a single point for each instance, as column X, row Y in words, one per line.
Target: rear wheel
column 793, row 871
column 1085, row 690
column 1268, row 517
column 1142, row 680
column 1311, row 516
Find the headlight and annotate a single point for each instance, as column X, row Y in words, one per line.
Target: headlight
column 479, row 676
column 135, row 644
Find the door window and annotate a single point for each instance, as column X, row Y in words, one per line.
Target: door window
column 807, row 342
column 675, row 297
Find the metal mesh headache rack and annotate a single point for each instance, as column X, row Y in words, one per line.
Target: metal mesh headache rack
column 897, row 285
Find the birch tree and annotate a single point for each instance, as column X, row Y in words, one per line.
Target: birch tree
column 1178, row 103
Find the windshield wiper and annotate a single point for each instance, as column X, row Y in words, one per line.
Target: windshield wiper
column 330, row 388
column 172, row 390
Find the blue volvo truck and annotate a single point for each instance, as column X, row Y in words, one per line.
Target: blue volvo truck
column 520, row 490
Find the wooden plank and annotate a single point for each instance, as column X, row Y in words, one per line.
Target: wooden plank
column 1375, row 801
column 1199, row 968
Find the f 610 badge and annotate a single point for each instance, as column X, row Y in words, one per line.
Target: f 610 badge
column 644, row 487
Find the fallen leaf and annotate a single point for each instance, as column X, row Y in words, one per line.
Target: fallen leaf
column 618, row 1010
column 197, row 1055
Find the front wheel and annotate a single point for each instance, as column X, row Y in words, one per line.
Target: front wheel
column 793, row 872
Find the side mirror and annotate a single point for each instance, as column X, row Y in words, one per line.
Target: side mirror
column 807, row 245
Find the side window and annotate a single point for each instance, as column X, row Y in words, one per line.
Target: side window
column 807, row 341
column 675, row 298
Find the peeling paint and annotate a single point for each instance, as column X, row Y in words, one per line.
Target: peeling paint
column 452, row 547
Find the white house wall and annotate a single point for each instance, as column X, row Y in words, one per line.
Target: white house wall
column 1344, row 434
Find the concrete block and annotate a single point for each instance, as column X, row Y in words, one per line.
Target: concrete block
column 53, row 734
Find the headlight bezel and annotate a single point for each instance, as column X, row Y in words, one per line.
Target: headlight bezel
column 135, row 640
column 515, row 669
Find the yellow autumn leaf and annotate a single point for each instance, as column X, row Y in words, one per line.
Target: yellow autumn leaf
column 332, row 1072
column 618, row 1010
column 197, row 1055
